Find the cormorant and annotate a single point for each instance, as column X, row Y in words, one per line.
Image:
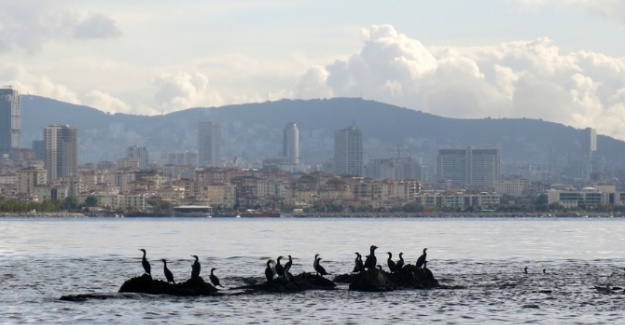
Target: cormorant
column 544, row 271
column 269, row 271
column 195, row 268
column 287, row 267
column 421, row 259
column 215, row 279
column 391, row 264
column 400, row 264
column 318, row 268
column 168, row 275
column 279, row 267
column 371, row 260
column 145, row 263
column 359, row 266
column 525, row 270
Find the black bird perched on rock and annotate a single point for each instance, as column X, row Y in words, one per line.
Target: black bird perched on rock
column 287, row 267
column 168, row 275
column 195, row 268
column 421, row 260
column 214, row 278
column 371, row 260
column 145, row 263
column 269, row 271
column 359, row 265
column 400, row 264
column 279, row 267
column 391, row 264
column 318, row 268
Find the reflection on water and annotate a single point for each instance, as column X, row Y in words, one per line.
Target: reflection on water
column 41, row 260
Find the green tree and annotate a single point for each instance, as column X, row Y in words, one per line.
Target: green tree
column 91, row 201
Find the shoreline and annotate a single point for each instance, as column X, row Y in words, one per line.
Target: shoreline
column 327, row 215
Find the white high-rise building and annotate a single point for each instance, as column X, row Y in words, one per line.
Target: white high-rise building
column 10, row 123
column 475, row 168
column 290, row 143
column 209, row 144
column 348, row 152
column 61, row 157
column 139, row 153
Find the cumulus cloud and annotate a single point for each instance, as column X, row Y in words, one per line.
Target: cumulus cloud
column 528, row 78
column 29, row 24
column 105, row 102
column 182, row 90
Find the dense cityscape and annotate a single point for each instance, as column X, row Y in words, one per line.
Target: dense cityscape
column 48, row 177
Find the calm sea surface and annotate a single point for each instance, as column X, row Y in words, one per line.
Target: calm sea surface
column 44, row 259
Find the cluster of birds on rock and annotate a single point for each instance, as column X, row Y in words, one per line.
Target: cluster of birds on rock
column 371, row 261
column 276, row 270
column 196, row 267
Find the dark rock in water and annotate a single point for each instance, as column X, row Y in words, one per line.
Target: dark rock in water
column 372, row 280
column 96, row 296
column 301, row 282
column 346, row 278
column 145, row 284
column 409, row 277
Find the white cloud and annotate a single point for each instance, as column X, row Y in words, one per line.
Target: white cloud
column 105, row 102
column 182, row 90
column 514, row 79
column 29, row 24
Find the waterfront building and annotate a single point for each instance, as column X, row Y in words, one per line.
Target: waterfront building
column 10, row 121
column 470, row 168
column 61, row 156
column 140, row 153
column 348, row 152
column 290, row 144
column 395, row 168
column 30, row 178
column 209, row 144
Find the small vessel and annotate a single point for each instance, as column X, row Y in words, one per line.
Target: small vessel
column 250, row 213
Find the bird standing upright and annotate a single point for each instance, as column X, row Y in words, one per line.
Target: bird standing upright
column 318, row 268
column 214, row 279
column 392, row 267
column 400, row 264
column 195, row 268
column 371, row 260
column 168, row 275
column 421, row 260
column 145, row 263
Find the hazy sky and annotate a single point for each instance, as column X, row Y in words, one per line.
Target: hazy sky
column 558, row 60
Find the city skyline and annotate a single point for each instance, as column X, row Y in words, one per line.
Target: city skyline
column 554, row 60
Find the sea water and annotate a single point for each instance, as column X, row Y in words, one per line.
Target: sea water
column 482, row 259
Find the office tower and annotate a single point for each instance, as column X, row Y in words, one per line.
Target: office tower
column 290, row 143
column 9, row 120
column 61, row 157
column 588, row 144
column 475, row 168
column 208, row 144
column 39, row 147
column 139, row 153
column 348, row 153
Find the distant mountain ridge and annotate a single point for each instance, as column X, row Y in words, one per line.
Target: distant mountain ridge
column 254, row 131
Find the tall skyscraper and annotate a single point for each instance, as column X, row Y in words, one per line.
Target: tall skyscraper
column 588, row 144
column 290, row 143
column 9, row 120
column 477, row 168
column 139, row 153
column 61, row 158
column 209, row 144
column 348, row 152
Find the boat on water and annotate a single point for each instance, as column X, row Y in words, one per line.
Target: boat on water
column 259, row 214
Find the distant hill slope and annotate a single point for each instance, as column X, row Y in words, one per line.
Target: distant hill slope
column 254, row 131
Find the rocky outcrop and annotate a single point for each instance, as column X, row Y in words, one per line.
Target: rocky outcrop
column 301, row 282
column 191, row 287
column 409, row 277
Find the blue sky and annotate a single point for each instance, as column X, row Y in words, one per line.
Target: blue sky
column 558, row 60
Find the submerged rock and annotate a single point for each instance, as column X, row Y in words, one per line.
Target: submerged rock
column 191, row 287
column 301, row 282
column 409, row 277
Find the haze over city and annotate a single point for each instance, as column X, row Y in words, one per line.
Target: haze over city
column 560, row 61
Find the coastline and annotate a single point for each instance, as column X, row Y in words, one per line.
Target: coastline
column 66, row 214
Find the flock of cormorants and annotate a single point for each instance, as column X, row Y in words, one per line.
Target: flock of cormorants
column 275, row 269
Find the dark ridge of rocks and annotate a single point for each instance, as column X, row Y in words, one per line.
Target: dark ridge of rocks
column 301, row 282
column 96, row 296
column 145, row 284
column 409, row 277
